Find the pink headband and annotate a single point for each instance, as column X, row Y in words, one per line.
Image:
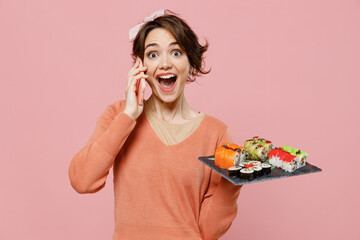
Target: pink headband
column 134, row 31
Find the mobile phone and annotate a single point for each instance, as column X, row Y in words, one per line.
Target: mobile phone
column 138, row 95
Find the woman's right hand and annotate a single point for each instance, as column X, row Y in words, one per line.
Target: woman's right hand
column 135, row 90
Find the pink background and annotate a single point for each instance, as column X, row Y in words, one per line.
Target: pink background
column 288, row 71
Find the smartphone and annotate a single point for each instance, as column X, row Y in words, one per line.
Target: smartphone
column 138, row 97
column 138, row 94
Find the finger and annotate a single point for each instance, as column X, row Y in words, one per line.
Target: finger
column 142, row 91
column 137, row 71
column 138, row 95
column 138, row 81
column 134, row 67
column 141, row 63
column 133, row 82
column 136, row 64
column 139, row 76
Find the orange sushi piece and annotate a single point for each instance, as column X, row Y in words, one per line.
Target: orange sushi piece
column 226, row 155
column 233, row 146
column 219, row 153
column 225, row 144
column 229, row 158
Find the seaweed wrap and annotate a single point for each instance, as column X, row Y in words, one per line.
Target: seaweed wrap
column 258, row 171
column 266, row 168
column 247, row 174
column 256, row 163
column 234, row 172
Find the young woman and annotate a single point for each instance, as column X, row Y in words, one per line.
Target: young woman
column 162, row 190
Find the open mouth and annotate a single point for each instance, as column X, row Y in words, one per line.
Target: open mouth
column 167, row 82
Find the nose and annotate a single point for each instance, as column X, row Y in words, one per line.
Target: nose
column 165, row 62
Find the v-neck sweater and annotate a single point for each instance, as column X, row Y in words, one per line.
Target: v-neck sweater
column 172, row 133
column 161, row 191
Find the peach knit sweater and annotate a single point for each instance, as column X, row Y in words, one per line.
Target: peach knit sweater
column 161, row 191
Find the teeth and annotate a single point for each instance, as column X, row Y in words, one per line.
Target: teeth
column 167, row 76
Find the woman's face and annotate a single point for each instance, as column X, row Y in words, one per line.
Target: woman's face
column 167, row 65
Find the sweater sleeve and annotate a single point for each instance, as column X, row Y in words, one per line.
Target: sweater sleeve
column 90, row 167
column 219, row 205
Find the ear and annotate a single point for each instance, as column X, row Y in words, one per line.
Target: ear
column 191, row 71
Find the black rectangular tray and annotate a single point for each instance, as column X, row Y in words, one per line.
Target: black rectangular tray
column 276, row 173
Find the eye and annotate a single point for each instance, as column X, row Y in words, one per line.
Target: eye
column 176, row 53
column 151, row 54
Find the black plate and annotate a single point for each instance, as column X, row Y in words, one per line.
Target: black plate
column 276, row 173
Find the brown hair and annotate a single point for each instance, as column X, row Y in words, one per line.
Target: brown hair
column 183, row 34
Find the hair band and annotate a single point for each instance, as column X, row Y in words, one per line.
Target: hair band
column 134, row 31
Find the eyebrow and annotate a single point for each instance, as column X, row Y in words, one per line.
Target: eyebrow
column 156, row 45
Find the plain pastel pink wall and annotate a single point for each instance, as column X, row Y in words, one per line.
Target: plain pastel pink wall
column 285, row 70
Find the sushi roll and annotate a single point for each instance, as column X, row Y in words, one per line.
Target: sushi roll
column 219, row 155
column 283, row 159
column 247, row 174
column 237, row 148
column 248, row 143
column 256, row 163
column 266, row 168
column 256, row 138
column 242, row 152
column 226, row 157
column 258, row 171
column 233, row 146
column 260, row 153
column 247, row 164
column 231, row 159
column 225, row 144
column 258, row 148
column 297, row 152
column 234, row 172
column 251, row 151
column 268, row 145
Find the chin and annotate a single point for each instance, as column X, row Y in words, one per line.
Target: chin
column 168, row 98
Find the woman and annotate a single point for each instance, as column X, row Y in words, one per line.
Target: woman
column 162, row 191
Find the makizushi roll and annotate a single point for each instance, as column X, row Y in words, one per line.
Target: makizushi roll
column 268, row 145
column 247, row 164
column 259, row 153
column 258, row 148
column 256, row 163
column 248, row 143
column 240, row 150
column 266, row 168
column 284, row 160
column 234, row 172
column 226, row 157
column 219, row 153
column 258, row 172
column 302, row 156
column 247, row 174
